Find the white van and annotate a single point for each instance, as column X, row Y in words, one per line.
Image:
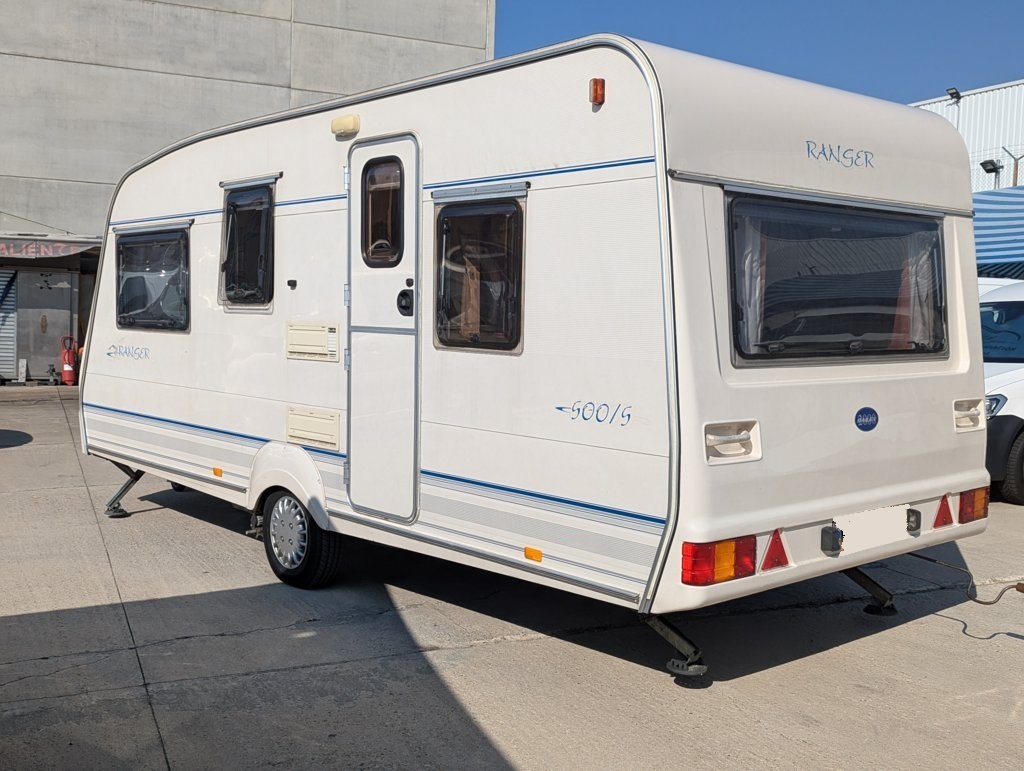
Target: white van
column 641, row 325
column 1002, row 332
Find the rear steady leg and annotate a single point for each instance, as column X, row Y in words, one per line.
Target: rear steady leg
column 114, row 508
column 690, row 665
column 882, row 605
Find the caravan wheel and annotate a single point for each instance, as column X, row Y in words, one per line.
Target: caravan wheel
column 299, row 551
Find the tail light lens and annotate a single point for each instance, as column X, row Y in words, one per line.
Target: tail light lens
column 973, row 505
column 712, row 563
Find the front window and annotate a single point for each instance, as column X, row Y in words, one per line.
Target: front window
column 815, row 281
column 247, row 270
column 1002, row 331
column 152, row 280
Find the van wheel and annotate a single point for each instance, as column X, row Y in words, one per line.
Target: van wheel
column 299, row 551
column 1012, row 487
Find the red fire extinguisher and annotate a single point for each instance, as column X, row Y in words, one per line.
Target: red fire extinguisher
column 68, row 360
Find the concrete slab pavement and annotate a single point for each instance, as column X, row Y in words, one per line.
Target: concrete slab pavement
column 163, row 640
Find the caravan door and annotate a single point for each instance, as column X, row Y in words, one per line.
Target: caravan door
column 383, row 393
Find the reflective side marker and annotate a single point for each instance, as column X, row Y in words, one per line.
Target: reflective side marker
column 943, row 517
column 775, row 555
column 218, row 472
column 533, row 554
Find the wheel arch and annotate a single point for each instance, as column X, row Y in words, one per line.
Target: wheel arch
column 287, row 467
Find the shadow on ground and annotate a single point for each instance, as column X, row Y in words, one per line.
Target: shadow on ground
column 10, row 438
column 738, row 638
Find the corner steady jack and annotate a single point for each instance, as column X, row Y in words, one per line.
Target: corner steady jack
column 114, row 508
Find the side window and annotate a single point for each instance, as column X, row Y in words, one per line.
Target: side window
column 479, row 275
column 152, row 280
column 382, row 213
column 247, row 266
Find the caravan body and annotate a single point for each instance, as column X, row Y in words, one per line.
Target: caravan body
column 610, row 317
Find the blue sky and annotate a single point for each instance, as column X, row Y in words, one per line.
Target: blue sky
column 901, row 50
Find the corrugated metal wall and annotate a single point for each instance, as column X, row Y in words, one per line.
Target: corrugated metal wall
column 989, row 119
column 8, row 324
column 999, row 232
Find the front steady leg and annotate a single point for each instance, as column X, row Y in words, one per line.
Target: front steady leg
column 114, row 508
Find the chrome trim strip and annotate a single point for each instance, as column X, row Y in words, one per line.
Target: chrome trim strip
column 135, row 461
column 509, row 190
column 813, row 196
column 265, row 179
column 406, row 532
column 127, row 230
column 384, row 330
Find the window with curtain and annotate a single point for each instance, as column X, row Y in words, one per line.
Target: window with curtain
column 822, row 281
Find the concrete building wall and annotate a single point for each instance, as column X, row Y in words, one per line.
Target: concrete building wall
column 90, row 87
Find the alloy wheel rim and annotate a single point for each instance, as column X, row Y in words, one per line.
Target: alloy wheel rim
column 289, row 532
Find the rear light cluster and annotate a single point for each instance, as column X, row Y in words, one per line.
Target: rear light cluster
column 973, row 506
column 712, row 563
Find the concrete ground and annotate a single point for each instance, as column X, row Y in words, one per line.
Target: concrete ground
column 163, row 640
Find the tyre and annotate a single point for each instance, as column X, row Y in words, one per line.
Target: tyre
column 1012, row 486
column 299, row 551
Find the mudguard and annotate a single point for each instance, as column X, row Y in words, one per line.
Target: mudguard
column 290, row 467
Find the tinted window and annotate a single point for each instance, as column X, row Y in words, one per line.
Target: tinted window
column 382, row 213
column 247, row 270
column 1002, row 331
column 479, row 275
column 812, row 280
column 152, row 280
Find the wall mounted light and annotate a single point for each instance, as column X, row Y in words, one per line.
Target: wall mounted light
column 954, row 94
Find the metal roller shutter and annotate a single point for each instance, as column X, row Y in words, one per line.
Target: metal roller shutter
column 8, row 324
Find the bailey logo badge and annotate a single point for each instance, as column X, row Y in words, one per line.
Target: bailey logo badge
column 866, row 419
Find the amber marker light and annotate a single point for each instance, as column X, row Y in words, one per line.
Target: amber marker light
column 218, row 472
column 533, row 554
column 597, row 91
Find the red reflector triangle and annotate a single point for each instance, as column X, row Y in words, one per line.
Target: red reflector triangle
column 943, row 516
column 775, row 555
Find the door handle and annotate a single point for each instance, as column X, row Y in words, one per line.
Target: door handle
column 405, row 302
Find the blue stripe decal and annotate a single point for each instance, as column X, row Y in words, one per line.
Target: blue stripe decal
column 432, row 186
column 317, row 199
column 544, row 497
column 423, row 472
column 166, row 217
column 209, row 212
column 176, row 423
column 545, row 173
column 319, row 451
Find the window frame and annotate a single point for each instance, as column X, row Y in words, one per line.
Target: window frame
column 468, row 203
column 237, row 189
column 167, row 233
column 740, row 359
column 399, row 218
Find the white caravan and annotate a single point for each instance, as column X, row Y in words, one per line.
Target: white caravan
column 611, row 317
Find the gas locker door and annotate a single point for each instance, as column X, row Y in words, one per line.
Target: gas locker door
column 383, row 332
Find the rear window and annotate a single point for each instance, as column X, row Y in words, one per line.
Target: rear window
column 1002, row 331
column 814, row 281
